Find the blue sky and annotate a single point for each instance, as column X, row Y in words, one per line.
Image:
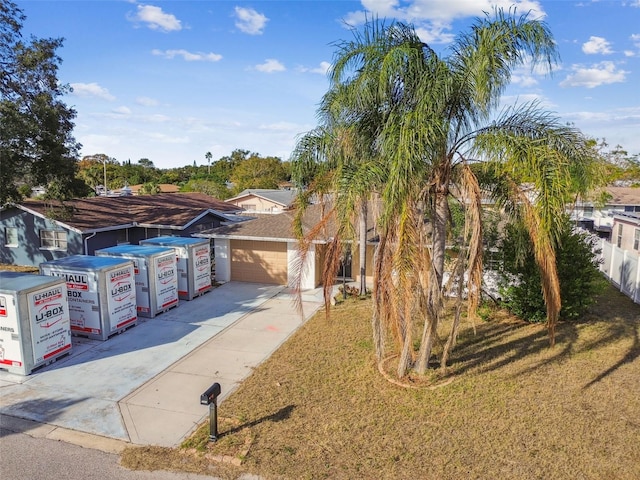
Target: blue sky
column 172, row 80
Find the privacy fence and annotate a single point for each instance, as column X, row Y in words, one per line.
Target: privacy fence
column 622, row 267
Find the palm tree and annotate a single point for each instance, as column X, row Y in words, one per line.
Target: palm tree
column 208, row 156
column 434, row 136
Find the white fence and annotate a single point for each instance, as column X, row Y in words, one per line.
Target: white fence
column 622, row 267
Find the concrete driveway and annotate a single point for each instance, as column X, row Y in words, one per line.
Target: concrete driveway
column 143, row 386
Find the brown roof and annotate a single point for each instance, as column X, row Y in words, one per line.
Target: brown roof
column 624, row 195
column 267, row 226
column 277, row 226
column 164, row 209
column 164, row 188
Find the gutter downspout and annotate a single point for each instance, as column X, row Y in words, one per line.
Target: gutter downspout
column 86, row 242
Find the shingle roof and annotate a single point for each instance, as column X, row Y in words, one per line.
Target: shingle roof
column 268, row 226
column 278, row 227
column 283, row 197
column 164, row 209
column 624, row 195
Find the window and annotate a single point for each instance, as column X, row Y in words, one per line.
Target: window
column 53, row 239
column 619, row 241
column 636, row 239
column 11, row 237
column 588, row 211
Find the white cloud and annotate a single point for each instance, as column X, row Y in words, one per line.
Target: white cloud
column 524, row 80
column 270, row 65
column 280, row 127
column 122, row 110
column 91, row 90
column 635, row 39
column 602, row 73
column 156, row 19
column 249, row 21
column 321, row 69
column 512, row 100
column 188, row 56
column 433, row 18
column 147, row 102
column 597, row 45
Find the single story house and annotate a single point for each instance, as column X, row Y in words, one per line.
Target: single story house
column 264, row 200
column 265, row 249
column 38, row 231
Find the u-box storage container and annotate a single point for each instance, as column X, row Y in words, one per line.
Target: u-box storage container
column 102, row 293
column 34, row 321
column 156, row 273
column 194, row 263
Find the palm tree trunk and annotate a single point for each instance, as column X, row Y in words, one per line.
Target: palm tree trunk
column 434, row 294
column 363, row 248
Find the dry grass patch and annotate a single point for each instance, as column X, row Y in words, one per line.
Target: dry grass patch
column 516, row 408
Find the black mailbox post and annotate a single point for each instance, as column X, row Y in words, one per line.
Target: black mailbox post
column 210, row 397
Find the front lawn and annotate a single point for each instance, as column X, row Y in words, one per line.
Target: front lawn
column 511, row 407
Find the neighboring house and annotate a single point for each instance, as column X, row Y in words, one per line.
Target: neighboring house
column 626, row 231
column 264, row 200
column 599, row 218
column 37, row 231
column 265, row 249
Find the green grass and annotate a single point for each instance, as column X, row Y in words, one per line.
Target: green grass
column 514, row 408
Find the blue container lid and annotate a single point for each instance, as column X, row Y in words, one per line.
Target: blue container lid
column 19, row 281
column 136, row 250
column 85, row 262
column 177, row 241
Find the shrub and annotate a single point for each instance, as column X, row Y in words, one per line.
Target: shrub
column 520, row 282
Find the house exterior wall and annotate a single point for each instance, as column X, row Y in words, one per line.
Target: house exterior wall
column 624, row 234
column 308, row 280
column 28, row 251
column 253, row 203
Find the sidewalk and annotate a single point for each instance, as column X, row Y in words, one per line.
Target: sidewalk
column 143, row 386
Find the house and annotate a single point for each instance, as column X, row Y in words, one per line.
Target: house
column 37, row 231
column 264, row 200
column 598, row 216
column 265, row 249
column 626, row 231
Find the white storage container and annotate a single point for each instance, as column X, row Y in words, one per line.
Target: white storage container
column 156, row 273
column 194, row 263
column 34, row 321
column 102, row 293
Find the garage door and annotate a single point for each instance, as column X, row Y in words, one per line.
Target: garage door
column 260, row 262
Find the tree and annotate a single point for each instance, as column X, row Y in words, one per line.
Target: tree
column 36, row 142
column 257, row 172
column 208, row 156
column 149, row 188
column 437, row 135
column 580, row 277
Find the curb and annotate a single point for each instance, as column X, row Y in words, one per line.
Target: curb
column 52, row 432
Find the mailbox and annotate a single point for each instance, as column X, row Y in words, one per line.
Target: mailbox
column 210, row 397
